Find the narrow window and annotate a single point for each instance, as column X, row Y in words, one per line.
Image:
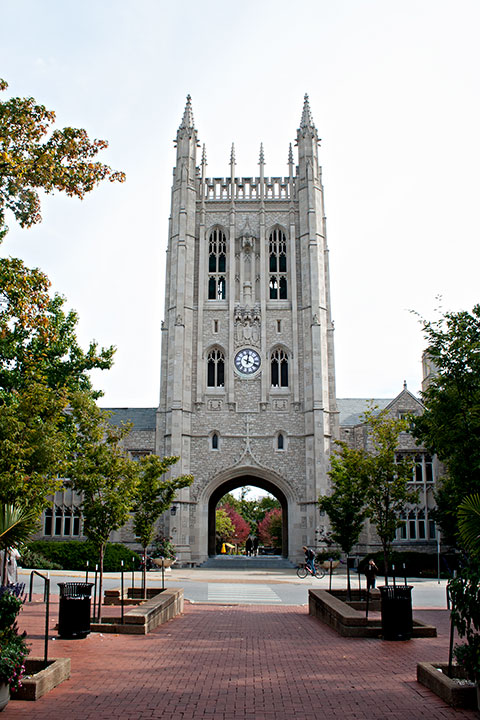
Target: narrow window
column 216, row 368
column 277, row 248
column 47, row 529
column 76, row 522
column 67, row 521
column 58, row 521
column 280, row 442
column 279, row 326
column 217, row 265
column 214, row 441
column 279, row 369
column 215, row 326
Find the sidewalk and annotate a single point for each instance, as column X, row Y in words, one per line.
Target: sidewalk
column 237, row 663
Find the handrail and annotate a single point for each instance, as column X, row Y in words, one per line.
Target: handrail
column 46, row 599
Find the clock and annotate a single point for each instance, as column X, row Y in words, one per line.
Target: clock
column 247, row 361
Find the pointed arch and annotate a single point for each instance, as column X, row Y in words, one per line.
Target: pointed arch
column 277, row 263
column 217, row 263
column 215, row 367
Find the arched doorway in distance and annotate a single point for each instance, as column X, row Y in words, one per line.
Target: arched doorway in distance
column 243, row 481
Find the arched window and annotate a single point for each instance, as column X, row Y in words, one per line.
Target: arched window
column 214, row 441
column 217, row 265
column 280, row 442
column 279, row 368
column 277, row 248
column 216, row 368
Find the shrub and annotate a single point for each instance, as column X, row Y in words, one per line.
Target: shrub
column 326, row 555
column 30, row 559
column 417, row 564
column 73, row 555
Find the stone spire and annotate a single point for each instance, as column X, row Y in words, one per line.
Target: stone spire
column 262, row 155
column 306, row 122
column 187, row 120
column 232, row 155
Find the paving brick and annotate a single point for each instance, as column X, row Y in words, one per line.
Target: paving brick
column 238, row 663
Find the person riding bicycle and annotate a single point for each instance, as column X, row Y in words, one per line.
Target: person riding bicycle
column 310, row 559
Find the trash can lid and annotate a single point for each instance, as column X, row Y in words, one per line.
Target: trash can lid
column 75, row 589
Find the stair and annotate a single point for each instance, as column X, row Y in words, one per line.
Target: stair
column 242, row 562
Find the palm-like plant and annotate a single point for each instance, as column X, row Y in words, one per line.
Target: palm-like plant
column 16, row 525
column 469, row 523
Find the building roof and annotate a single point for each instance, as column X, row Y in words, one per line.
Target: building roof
column 351, row 409
column 142, row 418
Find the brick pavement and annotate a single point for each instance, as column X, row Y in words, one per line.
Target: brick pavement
column 238, row 663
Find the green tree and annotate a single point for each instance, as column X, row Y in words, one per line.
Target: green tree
column 224, row 527
column 387, row 491
column 153, row 497
column 33, row 158
column 450, row 424
column 102, row 473
column 41, row 367
column 345, row 505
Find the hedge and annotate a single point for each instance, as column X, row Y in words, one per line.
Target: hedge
column 73, row 555
column 417, row 564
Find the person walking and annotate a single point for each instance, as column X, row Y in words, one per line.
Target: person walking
column 249, row 546
column 371, row 573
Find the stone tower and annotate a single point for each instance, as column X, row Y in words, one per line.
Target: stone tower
column 247, row 372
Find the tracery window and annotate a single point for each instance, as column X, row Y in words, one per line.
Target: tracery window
column 277, row 248
column 217, row 265
column 216, row 368
column 279, row 368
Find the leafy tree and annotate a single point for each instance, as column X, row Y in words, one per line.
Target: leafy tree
column 32, row 158
column 102, row 473
column 41, row 367
column 270, row 528
column 345, row 505
column 387, row 492
column 153, row 497
column 242, row 528
column 450, row 424
column 224, row 527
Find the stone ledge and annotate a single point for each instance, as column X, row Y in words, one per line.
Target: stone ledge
column 434, row 677
column 349, row 622
column 43, row 679
column 144, row 618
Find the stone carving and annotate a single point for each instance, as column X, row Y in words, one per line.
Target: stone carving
column 215, row 404
column 247, row 326
column 280, row 404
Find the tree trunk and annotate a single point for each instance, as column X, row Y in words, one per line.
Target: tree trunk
column 385, row 560
column 100, row 584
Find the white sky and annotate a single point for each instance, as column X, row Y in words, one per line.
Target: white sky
column 394, row 91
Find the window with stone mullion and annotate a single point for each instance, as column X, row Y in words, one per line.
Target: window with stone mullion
column 278, row 265
column 217, row 265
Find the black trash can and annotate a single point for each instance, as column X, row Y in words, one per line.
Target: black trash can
column 74, row 610
column 397, row 621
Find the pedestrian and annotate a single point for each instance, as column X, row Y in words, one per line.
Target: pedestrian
column 249, row 546
column 309, row 559
column 255, row 545
column 371, row 573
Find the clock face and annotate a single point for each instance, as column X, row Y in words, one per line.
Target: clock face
column 247, row 361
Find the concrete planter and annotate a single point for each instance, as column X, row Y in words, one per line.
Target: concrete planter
column 459, row 695
column 41, row 679
column 4, row 695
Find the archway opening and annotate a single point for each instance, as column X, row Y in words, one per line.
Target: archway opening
column 252, row 482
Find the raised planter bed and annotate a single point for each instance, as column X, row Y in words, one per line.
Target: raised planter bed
column 459, row 695
column 41, row 679
column 145, row 617
column 351, row 622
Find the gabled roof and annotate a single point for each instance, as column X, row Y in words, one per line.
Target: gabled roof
column 142, row 418
column 352, row 409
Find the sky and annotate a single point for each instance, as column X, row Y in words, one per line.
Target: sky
column 393, row 90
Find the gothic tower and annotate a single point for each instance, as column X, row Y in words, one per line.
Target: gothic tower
column 247, row 372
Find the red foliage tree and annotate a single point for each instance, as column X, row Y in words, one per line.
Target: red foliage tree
column 270, row 528
column 242, row 528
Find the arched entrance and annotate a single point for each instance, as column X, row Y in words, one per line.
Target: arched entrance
column 242, row 481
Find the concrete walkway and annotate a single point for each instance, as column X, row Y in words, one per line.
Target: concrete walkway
column 220, row 662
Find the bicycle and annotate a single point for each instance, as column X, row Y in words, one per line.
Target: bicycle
column 304, row 570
